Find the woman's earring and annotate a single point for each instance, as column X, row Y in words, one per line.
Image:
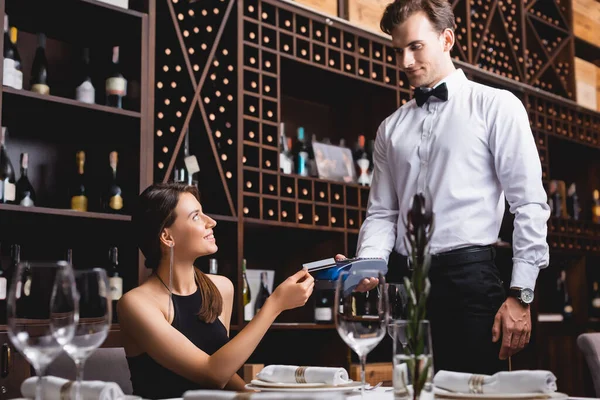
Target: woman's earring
column 171, row 245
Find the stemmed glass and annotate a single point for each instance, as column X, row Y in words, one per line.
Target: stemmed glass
column 42, row 312
column 398, row 299
column 361, row 312
column 94, row 319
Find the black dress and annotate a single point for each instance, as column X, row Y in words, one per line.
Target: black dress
column 151, row 380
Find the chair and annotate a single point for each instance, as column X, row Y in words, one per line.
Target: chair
column 589, row 344
column 105, row 364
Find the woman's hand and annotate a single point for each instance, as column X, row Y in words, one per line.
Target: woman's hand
column 294, row 291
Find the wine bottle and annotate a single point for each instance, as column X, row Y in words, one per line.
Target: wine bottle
column 12, row 75
column 3, row 291
column 213, row 266
column 116, row 84
column 595, row 311
column 70, row 256
column 595, row 204
column 25, row 191
column 18, row 71
column 555, row 199
column 191, row 166
column 564, row 297
column 286, row 162
column 7, row 172
column 115, row 281
column 302, row 152
column 312, row 163
column 39, row 70
column 362, row 160
column 79, row 199
column 85, row 91
column 573, row 208
column 114, row 195
column 323, row 307
column 263, row 293
column 246, row 295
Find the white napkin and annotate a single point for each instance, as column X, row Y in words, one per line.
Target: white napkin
column 525, row 381
column 52, row 387
column 287, row 374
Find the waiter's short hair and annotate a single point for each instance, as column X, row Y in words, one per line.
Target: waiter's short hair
column 439, row 13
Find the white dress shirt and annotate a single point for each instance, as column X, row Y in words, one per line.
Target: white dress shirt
column 464, row 154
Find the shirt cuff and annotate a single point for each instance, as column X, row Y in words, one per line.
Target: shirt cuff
column 524, row 275
column 371, row 253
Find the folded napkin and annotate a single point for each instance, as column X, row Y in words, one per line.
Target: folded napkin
column 55, row 388
column 295, row 374
column 525, row 381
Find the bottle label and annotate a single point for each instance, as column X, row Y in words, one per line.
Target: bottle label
column 116, row 86
column 303, row 163
column 26, row 201
column 2, row 288
column 285, row 164
column 323, row 314
column 8, row 72
column 116, row 287
column 8, row 191
column 596, row 302
column 79, row 203
column 27, row 287
column 40, row 88
column 86, row 93
column 116, row 202
column 17, row 80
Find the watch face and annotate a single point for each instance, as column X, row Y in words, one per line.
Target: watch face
column 527, row 296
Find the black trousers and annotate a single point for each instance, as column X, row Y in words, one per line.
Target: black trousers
column 462, row 304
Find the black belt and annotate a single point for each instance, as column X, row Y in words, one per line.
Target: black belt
column 467, row 255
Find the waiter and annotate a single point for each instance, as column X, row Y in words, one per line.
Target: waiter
column 464, row 146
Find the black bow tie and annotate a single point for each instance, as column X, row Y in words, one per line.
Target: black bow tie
column 421, row 95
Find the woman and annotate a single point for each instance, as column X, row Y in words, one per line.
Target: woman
column 175, row 326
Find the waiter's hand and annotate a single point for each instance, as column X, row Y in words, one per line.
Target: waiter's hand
column 366, row 284
column 514, row 321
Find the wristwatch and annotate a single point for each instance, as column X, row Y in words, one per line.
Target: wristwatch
column 524, row 295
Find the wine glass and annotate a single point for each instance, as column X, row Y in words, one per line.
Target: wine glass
column 94, row 319
column 361, row 312
column 42, row 313
column 398, row 299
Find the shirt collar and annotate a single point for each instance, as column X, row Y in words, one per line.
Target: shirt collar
column 454, row 81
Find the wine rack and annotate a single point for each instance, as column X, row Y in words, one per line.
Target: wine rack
column 529, row 41
column 570, row 235
column 296, row 201
column 197, row 90
column 551, row 117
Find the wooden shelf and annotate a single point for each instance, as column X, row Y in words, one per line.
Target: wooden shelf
column 587, row 51
column 121, row 10
column 27, row 100
column 65, row 212
column 287, row 326
column 90, row 23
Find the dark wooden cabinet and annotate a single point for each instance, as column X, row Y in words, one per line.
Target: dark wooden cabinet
column 14, row 369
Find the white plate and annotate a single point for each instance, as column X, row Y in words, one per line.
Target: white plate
column 302, row 387
column 261, row 383
column 444, row 394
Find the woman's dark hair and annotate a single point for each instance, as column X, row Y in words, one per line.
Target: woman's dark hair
column 439, row 13
column 154, row 212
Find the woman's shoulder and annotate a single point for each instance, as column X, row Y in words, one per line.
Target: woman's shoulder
column 142, row 296
column 222, row 283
